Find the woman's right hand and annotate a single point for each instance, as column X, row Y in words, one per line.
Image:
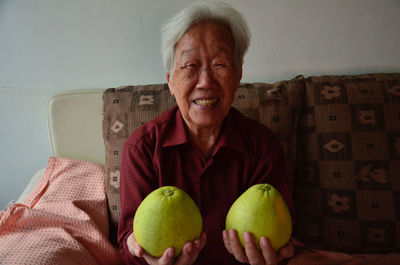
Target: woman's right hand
column 189, row 254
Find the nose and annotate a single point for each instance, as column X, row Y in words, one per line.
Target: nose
column 206, row 77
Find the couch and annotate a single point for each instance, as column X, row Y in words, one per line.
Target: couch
column 341, row 136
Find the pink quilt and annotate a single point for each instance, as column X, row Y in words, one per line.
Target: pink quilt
column 63, row 221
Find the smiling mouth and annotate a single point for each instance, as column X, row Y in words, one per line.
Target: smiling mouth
column 206, row 102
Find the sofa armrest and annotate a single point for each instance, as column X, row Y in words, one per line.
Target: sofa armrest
column 75, row 125
column 31, row 185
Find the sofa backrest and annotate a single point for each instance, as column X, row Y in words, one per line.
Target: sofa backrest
column 347, row 191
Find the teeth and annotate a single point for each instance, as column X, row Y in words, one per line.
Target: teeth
column 205, row 102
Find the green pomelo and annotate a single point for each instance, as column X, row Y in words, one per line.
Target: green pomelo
column 262, row 211
column 167, row 217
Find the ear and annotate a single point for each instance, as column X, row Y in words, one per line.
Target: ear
column 169, row 82
column 239, row 77
column 240, row 72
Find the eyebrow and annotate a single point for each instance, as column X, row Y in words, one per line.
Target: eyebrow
column 188, row 51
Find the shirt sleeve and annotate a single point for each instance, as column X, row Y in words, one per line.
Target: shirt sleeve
column 137, row 179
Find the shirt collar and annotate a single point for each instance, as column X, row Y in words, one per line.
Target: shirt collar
column 176, row 134
column 231, row 133
column 229, row 138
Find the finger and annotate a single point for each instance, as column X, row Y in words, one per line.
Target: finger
column 133, row 247
column 138, row 250
column 286, row 251
column 253, row 254
column 188, row 255
column 166, row 259
column 191, row 250
column 237, row 249
column 225, row 237
column 199, row 244
column 203, row 240
column 268, row 252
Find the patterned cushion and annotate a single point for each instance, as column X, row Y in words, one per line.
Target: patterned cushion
column 348, row 176
column 125, row 108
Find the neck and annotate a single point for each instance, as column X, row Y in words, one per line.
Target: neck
column 205, row 138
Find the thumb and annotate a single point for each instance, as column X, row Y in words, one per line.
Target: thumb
column 133, row 246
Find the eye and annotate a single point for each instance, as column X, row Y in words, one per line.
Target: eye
column 189, row 66
column 220, row 65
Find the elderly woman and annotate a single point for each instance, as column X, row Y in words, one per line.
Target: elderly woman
column 203, row 146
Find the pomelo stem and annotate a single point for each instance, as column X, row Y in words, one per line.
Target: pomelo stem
column 168, row 192
column 265, row 187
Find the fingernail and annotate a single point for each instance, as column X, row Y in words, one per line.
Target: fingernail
column 197, row 243
column 189, row 248
column 263, row 242
column 247, row 237
column 170, row 253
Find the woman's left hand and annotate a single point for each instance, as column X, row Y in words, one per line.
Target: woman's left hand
column 189, row 253
column 250, row 254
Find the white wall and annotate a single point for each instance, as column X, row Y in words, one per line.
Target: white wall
column 47, row 47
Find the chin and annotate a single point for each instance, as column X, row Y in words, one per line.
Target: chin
column 207, row 122
column 207, row 119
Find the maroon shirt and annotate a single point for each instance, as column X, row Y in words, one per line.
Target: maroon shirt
column 160, row 153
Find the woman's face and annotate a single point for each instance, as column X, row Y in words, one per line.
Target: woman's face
column 205, row 75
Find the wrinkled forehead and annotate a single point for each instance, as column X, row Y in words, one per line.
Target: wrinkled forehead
column 216, row 51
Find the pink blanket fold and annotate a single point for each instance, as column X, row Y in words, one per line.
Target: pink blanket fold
column 305, row 255
column 63, row 221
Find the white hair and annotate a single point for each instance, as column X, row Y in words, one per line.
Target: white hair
column 222, row 13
